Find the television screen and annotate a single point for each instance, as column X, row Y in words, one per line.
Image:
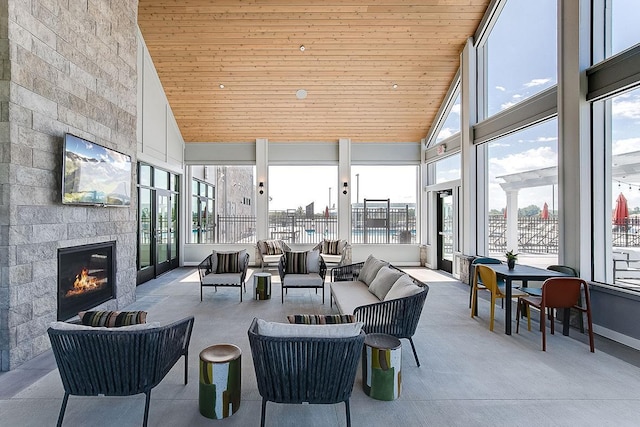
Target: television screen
column 94, row 175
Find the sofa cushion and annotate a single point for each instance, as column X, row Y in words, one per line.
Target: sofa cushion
column 349, row 295
column 313, row 261
column 383, row 281
column 331, row 259
column 229, row 262
column 273, row 329
column 295, row 262
column 403, row 287
column 274, row 247
column 332, row 247
column 370, row 268
column 112, row 319
column 221, row 279
column 65, row 326
column 308, row 280
column 320, row 319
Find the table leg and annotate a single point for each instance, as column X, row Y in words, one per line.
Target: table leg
column 507, row 307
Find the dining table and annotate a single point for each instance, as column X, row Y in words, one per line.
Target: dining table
column 523, row 273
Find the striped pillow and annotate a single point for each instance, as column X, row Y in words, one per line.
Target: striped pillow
column 331, row 247
column 296, row 263
column 274, row 247
column 321, row 319
column 228, row 262
column 112, row 319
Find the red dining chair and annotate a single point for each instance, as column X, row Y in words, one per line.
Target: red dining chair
column 557, row 292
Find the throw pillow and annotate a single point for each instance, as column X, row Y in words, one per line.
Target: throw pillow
column 273, row 329
column 404, row 287
column 370, row 268
column 295, row 262
column 228, row 262
column 64, row 326
column 313, row 261
column 331, row 247
column 321, row 319
column 112, row 319
column 274, row 247
column 383, row 282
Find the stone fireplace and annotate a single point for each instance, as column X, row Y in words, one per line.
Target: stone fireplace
column 86, row 277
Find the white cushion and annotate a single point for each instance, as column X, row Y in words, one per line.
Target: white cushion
column 303, row 280
column 221, row 279
column 268, row 259
column 331, row 259
column 370, row 268
column 64, row 326
column 343, row 330
column 403, row 287
column 349, row 295
column 313, row 261
column 384, row 280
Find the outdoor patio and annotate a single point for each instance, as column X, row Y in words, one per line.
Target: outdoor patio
column 469, row 376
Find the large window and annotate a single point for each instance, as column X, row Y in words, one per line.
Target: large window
column 447, row 169
column 522, row 194
column 625, row 31
column 383, row 205
column 302, row 203
column 520, row 53
column 451, row 124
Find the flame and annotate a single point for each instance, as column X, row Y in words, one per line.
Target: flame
column 84, row 283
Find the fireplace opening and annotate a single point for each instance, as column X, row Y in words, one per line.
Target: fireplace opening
column 86, row 277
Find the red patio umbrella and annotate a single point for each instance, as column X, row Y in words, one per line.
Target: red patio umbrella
column 621, row 212
column 545, row 211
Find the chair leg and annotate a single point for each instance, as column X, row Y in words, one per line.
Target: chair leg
column 264, row 412
column 528, row 317
column 63, row 408
column 415, row 353
column 200, row 293
column 146, row 409
column 186, row 367
column 543, row 327
column 347, row 413
column 474, row 300
column 518, row 310
column 493, row 311
column 590, row 326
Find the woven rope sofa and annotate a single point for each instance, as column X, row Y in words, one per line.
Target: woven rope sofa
column 383, row 297
column 305, row 363
column 117, row 361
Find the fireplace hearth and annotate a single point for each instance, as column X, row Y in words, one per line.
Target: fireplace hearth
column 86, row 277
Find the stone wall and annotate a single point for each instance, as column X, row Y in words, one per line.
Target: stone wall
column 68, row 66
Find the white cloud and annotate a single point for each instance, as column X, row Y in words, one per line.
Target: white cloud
column 507, row 105
column 627, row 145
column 547, row 138
column 501, row 88
column 455, row 109
column 626, row 108
column 536, row 158
column 444, row 134
column 516, row 96
column 537, row 82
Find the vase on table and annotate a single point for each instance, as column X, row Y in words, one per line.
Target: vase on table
column 511, row 263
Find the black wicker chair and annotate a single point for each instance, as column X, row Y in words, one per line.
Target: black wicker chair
column 208, row 277
column 397, row 317
column 309, row 280
column 298, row 369
column 116, row 361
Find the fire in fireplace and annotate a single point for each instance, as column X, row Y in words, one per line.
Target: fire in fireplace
column 86, row 277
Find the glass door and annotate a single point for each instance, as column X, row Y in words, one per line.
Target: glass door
column 445, row 231
column 163, row 231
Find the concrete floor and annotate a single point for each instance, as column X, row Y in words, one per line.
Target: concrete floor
column 469, row 375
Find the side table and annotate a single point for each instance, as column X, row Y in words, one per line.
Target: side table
column 262, row 286
column 220, row 380
column 381, row 366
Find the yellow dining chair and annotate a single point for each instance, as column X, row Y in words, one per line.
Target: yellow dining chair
column 485, row 279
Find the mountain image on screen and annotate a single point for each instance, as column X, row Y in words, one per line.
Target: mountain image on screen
column 95, row 175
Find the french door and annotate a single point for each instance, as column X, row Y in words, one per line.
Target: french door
column 445, row 231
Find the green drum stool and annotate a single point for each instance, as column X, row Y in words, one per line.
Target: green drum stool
column 381, row 366
column 262, row 286
column 220, row 380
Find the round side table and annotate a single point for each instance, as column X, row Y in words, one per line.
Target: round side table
column 262, row 286
column 381, row 366
column 220, row 380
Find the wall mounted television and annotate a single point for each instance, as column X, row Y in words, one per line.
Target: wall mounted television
column 94, row 175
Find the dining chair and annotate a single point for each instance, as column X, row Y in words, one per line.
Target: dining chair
column 485, row 278
column 481, row 260
column 558, row 292
column 537, row 292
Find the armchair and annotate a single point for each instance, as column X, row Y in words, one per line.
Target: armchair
column 302, row 270
column 334, row 252
column 270, row 251
column 224, row 269
column 306, row 368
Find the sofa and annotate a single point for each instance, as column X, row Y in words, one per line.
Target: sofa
column 270, row 251
column 305, row 363
column 383, row 297
column 117, row 361
column 224, row 269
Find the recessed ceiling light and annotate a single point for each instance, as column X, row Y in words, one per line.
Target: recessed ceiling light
column 221, row 86
column 302, row 48
column 395, row 86
column 301, row 94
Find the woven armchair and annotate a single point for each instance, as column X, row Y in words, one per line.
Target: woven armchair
column 299, row 369
column 397, row 317
column 118, row 361
column 209, row 276
column 308, row 280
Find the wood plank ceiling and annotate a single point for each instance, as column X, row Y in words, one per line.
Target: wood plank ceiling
column 355, row 51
